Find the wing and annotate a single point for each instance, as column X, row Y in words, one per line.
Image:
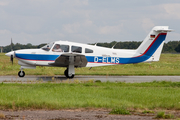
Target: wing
column 66, row 59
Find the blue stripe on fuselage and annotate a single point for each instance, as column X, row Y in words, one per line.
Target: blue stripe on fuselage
column 116, row 60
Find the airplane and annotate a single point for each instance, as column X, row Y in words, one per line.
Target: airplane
column 74, row 55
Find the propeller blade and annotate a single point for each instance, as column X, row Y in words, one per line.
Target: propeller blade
column 12, row 55
column 11, row 59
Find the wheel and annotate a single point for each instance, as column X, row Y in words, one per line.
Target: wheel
column 21, row 73
column 67, row 75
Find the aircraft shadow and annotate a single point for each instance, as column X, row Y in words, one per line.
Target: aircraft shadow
column 52, row 78
column 62, row 78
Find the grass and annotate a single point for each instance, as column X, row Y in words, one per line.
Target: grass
column 164, row 116
column 147, row 96
column 121, row 110
column 147, row 111
column 169, row 64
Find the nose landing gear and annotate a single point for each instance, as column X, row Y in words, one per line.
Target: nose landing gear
column 21, row 73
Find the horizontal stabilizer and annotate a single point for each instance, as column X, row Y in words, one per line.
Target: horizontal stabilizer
column 162, row 29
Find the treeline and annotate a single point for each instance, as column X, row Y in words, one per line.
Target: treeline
column 170, row 47
column 18, row 46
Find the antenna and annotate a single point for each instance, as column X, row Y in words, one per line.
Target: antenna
column 95, row 44
column 113, row 45
column 11, row 45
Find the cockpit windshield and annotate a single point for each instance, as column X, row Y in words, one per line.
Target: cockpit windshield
column 48, row 46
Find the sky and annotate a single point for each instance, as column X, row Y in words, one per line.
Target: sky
column 85, row 21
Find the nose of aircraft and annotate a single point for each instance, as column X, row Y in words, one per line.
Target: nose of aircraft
column 10, row 53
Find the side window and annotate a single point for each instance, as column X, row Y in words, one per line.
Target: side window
column 76, row 49
column 65, row 48
column 57, row 48
column 88, row 50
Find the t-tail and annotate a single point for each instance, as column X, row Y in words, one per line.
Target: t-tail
column 153, row 43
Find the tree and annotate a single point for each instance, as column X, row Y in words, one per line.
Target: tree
column 177, row 49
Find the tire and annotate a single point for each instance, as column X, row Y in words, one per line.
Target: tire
column 21, row 74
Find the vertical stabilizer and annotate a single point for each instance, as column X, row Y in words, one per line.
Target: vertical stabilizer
column 153, row 43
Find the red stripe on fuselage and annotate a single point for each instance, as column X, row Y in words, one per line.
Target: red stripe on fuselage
column 104, row 63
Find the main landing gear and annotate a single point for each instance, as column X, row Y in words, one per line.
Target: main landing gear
column 70, row 72
column 68, row 75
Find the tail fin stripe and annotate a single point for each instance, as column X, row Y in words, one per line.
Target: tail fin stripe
column 152, row 44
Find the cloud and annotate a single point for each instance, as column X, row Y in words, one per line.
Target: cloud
column 109, row 29
column 147, row 24
column 77, row 27
column 76, row 2
column 4, row 3
column 166, row 11
column 71, row 28
column 2, row 32
column 172, row 10
column 39, row 21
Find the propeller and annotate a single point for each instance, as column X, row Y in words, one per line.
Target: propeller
column 12, row 53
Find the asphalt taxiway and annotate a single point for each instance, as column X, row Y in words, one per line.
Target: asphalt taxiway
column 61, row 78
